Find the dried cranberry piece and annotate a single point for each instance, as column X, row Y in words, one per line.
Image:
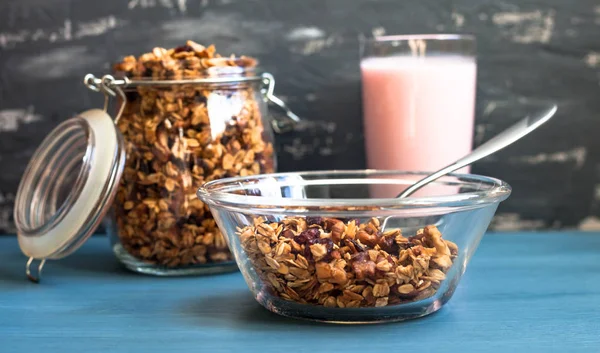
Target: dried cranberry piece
column 183, row 48
column 405, row 246
column 307, row 235
column 201, row 99
column 358, row 247
column 197, row 220
column 179, row 163
column 328, row 244
column 145, row 167
column 225, row 139
column 361, row 256
column 314, row 220
column 388, row 244
column 335, row 292
column 325, row 241
column 307, row 253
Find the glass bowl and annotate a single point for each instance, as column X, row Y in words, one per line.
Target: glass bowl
column 312, row 245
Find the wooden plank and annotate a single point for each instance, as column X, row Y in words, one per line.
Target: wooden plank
column 534, row 292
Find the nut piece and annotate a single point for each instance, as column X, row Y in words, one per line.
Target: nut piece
column 172, row 149
column 346, row 264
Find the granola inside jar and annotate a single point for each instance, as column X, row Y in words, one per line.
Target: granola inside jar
column 192, row 117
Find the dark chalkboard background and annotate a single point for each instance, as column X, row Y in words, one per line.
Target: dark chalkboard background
column 528, row 50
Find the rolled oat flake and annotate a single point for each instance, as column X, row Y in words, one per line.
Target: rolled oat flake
column 71, row 180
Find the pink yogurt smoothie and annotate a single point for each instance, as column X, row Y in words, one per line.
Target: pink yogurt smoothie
column 418, row 112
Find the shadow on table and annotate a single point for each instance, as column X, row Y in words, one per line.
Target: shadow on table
column 13, row 274
column 239, row 309
column 95, row 263
column 74, row 266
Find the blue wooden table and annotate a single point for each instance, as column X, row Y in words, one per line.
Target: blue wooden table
column 523, row 292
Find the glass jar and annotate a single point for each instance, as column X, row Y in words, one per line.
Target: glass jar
column 178, row 135
column 139, row 171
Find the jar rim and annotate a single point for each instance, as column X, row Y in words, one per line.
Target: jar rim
column 218, row 69
column 129, row 82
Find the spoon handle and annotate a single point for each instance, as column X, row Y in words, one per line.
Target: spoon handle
column 498, row 142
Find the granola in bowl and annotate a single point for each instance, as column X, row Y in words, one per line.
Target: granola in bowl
column 310, row 244
column 345, row 264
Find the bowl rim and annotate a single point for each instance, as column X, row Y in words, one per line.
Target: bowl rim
column 498, row 191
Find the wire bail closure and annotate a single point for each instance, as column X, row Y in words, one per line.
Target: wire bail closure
column 279, row 127
column 35, row 278
column 112, row 87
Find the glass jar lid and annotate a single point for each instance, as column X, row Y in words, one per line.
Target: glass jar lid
column 68, row 187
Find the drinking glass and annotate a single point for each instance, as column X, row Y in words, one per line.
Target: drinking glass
column 418, row 94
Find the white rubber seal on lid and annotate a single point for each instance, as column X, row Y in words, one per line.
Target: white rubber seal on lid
column 67, row 229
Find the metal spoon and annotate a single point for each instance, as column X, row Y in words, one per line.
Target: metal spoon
column 495, row 144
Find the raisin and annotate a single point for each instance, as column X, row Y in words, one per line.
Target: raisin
column 314, row 220
column 179, row 163
column 196, row 220
column 225, row 139
column 181, row 222
column 388, row 244
column 307, row 235
column 335, row 292
column 183, row 48
column 144, row 167
column 355, row 246
column 307, row 253
column 327, row 242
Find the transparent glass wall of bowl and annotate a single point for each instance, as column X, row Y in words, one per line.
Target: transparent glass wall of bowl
column 461, row 211
column 177, row 137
